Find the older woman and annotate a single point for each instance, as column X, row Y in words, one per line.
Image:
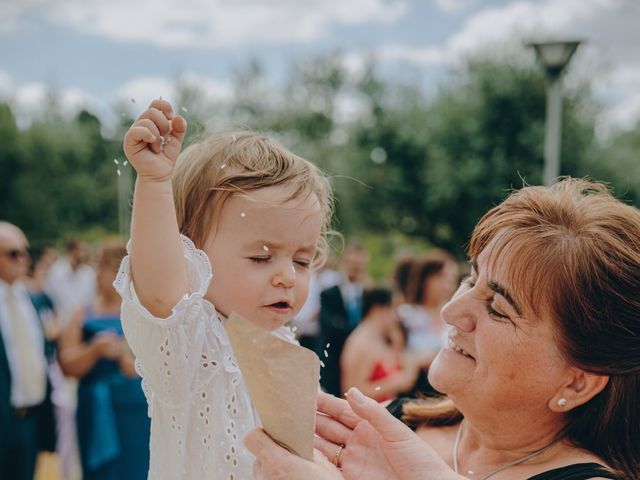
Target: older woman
column 542, row 366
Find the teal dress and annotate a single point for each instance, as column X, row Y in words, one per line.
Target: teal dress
column 113, row 426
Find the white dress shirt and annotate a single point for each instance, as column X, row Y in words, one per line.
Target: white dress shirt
column 21, row 394
column 70, row 289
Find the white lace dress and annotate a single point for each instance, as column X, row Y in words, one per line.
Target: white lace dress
column 199, row 405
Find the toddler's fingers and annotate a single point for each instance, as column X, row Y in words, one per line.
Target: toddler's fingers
column 164, row 106
column 139, row 134
column 157, row 117
column 178, row 128
column 156, row 145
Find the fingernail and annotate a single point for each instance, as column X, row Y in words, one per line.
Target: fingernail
column 357, row 394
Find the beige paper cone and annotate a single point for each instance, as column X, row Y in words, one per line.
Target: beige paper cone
column 282, row 379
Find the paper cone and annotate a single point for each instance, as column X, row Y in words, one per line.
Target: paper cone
column 282, row 379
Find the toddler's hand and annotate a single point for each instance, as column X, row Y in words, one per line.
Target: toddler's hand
column 153, row 142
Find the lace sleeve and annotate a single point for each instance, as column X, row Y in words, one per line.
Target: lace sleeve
column 168, row 349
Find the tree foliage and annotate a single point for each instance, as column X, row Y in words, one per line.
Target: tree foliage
column 403, row 163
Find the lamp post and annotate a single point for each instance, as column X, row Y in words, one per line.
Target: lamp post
column 124, row 199
column 554, row 57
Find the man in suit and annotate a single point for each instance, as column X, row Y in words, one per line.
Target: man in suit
column 25, row 406
column 340, row 313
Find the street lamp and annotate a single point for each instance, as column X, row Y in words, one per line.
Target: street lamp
column 554, row 57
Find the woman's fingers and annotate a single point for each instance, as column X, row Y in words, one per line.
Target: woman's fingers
column 329, row 429
column 275, row 462
column 338, row 409
column 326, row 447
column 390, row 428
column 261, row 445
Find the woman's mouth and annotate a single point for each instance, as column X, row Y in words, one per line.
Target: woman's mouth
column 454, row 346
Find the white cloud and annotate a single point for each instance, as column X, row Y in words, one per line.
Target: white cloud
column 204, row 23
column 610, row 28
column 140, row 91
column 454, row 6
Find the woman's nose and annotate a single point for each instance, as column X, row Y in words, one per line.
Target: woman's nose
column 461, row 311
column 285, row 276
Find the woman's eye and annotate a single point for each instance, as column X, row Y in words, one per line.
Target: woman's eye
column 260, row 259
column 494, row 313
column 468, row 282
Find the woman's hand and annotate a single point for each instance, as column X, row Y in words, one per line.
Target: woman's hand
column 274, row 462
column 107, row 345
column 376, row 445
column 153, row 142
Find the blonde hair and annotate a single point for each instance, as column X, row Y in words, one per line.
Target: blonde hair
column 208, row 173
column 577, row 263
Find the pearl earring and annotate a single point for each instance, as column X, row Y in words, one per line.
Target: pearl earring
column 562, row 402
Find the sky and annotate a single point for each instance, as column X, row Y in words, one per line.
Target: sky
column 96, row 54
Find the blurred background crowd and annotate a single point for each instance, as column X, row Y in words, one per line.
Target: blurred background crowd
column 69, row 385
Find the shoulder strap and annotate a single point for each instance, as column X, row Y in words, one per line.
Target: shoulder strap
column 578, row 471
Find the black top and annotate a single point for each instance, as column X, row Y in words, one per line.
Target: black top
column 578, row 471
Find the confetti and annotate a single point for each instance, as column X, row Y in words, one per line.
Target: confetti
column 377, row 389
column 327, row 345
column 326, row 354
column 321, row 363
column 115, row 160
column 118, row 172
column 294, row 329
column 222, row 166
column 125, row 163
column 265, row 248
column 184, row 109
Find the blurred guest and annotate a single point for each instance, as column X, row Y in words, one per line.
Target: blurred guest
column 432, row 281
column 71, row 281
column 373, row 358
column 307, row 322
column 36, row 279
column 113, row 427
column 400, row 277
column 341, row 311
column 26, row 415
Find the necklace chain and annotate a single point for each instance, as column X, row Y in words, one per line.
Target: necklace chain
column 456, row 445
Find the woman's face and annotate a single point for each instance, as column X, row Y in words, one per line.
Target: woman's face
column 498, row 351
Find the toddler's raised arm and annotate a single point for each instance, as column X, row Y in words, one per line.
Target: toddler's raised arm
column 158, row 268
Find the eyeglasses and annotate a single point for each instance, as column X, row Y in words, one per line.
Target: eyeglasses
column 16, row 254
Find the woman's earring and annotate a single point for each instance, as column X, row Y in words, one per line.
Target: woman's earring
column 562, row 402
